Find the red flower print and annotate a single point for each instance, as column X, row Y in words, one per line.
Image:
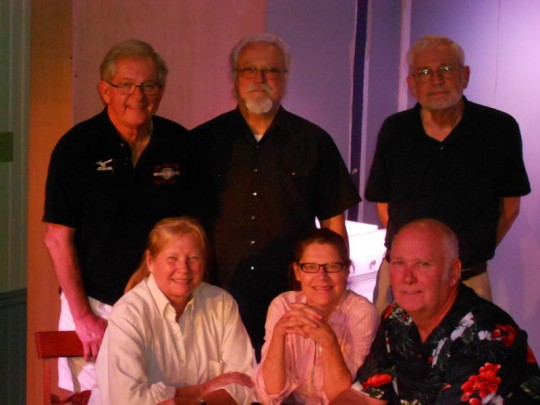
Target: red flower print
column 481, row 385
column 506, row 333
column 388, row 311
column 377, row 380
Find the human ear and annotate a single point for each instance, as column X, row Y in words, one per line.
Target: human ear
column 104, row 90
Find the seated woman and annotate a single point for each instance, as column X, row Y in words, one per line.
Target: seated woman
column 174, row 338
column 316, row 338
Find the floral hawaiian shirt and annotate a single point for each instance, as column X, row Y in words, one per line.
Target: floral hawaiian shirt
column 477, row 355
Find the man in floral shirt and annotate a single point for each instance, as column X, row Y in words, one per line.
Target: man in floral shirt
column 440, row 343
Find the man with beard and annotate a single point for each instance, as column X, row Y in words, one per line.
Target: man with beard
column 267, row 175
column 449, row 159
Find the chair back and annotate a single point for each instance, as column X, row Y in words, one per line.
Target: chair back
column 53, row 344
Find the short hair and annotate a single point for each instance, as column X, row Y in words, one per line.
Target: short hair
column 448, row 236
column 433, row 40
column 162, row 233
column 265, row 38
column 323, row 236
column 132, row 48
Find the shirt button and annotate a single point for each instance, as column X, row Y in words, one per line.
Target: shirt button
column 255, row 170
column 252, row 268
column 254, row 194
column 251, row 242
column 253, row 217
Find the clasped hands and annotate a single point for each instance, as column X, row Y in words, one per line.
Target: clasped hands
column 306, row 321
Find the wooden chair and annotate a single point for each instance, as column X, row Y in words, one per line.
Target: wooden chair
column 53, row 344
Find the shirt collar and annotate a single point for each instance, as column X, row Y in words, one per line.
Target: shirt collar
column 163, row 303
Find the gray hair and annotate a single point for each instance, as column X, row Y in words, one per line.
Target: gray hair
column 132, row 48
column 265, row 38
column 432, row 40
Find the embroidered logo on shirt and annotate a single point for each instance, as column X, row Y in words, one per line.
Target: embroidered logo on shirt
column 103, row 166
column 166, row 173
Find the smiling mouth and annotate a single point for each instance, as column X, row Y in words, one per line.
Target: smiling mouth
column 322, row 288
column 414, row 292
column 181, row 281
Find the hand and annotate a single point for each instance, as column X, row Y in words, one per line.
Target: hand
column 306, row 321
column 220, row 381
column 296, row 319
column 90, row 329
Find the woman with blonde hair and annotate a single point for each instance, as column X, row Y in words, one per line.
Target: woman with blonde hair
column 173, row 338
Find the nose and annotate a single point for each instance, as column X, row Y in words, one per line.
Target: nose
column 408, row 275
column 138, row 92
column 436, row 76
column 260, row 76
column 321, row 273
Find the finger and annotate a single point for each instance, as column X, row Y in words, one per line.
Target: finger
column 87, row 351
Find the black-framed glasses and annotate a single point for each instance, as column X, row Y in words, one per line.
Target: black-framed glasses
column 150, row 88
column 314, row 267
column 425, row 75
column 251, row 72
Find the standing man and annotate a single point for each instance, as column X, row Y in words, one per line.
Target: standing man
column 440, row 343
column 110, row 179
column 269, row 175
column 450, row 159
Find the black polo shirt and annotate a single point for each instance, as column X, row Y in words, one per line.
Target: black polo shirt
column 459, row 181
column 93, row 187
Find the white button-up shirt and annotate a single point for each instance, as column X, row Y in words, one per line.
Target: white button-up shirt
column 146, row 353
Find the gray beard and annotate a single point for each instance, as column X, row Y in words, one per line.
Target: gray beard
column 261, row 105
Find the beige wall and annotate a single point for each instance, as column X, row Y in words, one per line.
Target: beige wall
column 194, row 38
column 68, row 41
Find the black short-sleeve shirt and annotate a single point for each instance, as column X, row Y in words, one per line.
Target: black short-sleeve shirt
column 93, row 187
column 259, row 197
column 459, row 181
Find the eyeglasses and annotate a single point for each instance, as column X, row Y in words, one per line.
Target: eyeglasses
column 150, row 89
column 314, row 267
column 270, row 73
column 425, row 75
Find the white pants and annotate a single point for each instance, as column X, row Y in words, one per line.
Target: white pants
column 382, row 294
column 74, row 374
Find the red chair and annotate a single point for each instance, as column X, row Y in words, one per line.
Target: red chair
column 53, row 344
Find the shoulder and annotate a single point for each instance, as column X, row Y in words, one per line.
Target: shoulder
column 284, row 300
column 88, row 131
column 136, row 306
column 358, row 305
column 164, row 124
column 299, row 124
column 485, row 110
column 218, row 123
column 210, row 295
column 487, row 116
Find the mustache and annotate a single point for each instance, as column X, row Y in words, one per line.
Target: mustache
column 262, row 86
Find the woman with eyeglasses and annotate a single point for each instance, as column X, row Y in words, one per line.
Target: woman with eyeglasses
column 317, row 337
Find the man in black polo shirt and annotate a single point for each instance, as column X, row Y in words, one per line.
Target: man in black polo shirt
column 110, row 179
column 449, row 159
column 268, row 175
